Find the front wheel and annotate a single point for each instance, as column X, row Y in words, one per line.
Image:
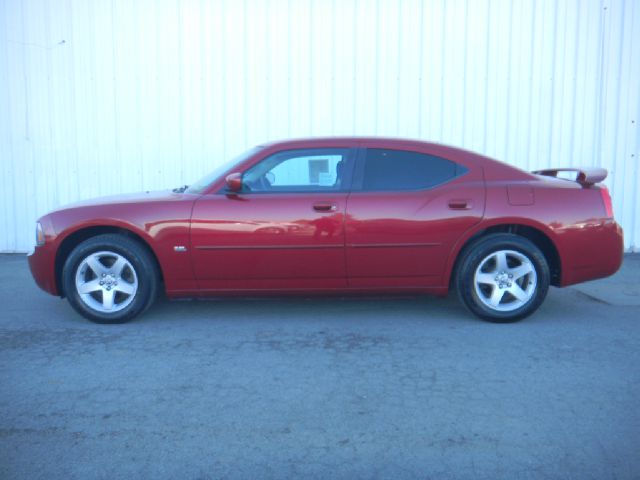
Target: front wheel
column 502, row 278
column 110, row 279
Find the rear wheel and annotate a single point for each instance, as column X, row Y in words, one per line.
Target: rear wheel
column 110, row 279
column 502, row 278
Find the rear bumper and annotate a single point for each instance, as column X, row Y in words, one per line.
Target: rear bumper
column 593, row 254
column 42, row 266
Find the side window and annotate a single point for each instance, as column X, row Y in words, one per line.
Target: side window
column 405, row 170
column 312, row 170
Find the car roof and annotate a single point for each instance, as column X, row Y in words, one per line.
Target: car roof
column 369, row 141
column 355, row 140
column 494, row 169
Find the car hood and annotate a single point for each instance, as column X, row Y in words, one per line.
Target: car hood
column 126, row 198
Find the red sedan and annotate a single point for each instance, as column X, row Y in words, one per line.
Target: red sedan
column 336, row 216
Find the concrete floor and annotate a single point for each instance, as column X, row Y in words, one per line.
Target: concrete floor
column 322, row 388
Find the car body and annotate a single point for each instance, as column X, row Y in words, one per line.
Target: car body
column 343, row 215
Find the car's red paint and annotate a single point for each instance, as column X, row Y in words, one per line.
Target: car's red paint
column 160, row 219
column 338, row 242
column 268, row 241
column 234, row 182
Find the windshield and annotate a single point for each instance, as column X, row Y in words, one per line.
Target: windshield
column 209, row 178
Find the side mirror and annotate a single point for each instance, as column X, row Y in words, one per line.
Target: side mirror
column 234, row 182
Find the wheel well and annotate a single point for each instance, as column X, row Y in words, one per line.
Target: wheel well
column 539, row 239
column 73, row 240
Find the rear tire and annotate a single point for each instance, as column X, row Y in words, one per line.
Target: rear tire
column 110, row 278
column 502, row 277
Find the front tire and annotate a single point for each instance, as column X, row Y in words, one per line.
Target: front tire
column 110, row 278
column 502, row 278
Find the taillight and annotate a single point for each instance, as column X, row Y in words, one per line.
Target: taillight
column 606, row 199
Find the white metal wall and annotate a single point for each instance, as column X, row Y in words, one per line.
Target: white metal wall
column 107, row 96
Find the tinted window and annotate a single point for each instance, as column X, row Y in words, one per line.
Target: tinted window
column 314, row 170
column 403, row 170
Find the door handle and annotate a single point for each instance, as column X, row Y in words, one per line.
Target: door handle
column 459, row 204
column 325, row 207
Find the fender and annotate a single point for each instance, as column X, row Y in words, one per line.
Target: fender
column 106, row 222
column 162, row 228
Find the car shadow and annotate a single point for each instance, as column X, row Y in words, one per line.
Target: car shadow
column 309, row 309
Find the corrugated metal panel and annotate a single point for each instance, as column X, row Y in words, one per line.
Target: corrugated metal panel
column 104, row 96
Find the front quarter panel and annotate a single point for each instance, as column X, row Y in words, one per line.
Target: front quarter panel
column 162, row 224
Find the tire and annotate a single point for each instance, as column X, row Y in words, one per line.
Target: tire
column 491, row 280
column 110, row 279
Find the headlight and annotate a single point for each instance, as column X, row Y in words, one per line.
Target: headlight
column 39, row 235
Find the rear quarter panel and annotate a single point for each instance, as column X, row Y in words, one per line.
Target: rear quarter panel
column 589, row 244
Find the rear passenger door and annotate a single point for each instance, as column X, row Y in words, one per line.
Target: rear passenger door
column 404, row 214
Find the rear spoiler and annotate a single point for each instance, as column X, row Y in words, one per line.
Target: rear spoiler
column 586, row 176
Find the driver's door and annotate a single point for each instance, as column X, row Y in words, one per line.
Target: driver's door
column 283, row 230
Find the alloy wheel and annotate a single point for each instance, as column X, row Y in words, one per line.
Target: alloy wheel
column 106, row 281
column 505, row 280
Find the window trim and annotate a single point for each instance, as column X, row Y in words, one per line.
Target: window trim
column 358, row 177
column 349, row 159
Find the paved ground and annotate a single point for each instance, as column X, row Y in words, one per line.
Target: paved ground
column 326, row 388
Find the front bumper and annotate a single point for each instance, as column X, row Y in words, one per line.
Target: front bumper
column 42, row 265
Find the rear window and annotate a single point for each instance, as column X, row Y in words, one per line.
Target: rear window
column 405, row 170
